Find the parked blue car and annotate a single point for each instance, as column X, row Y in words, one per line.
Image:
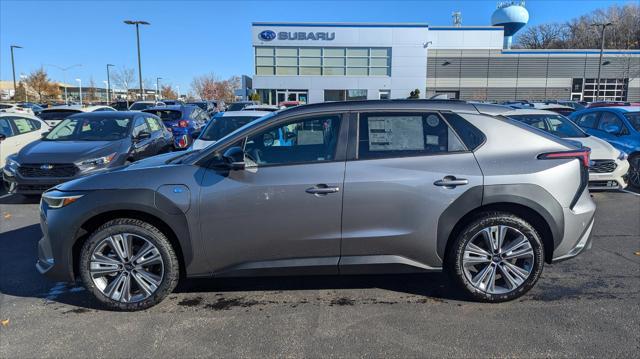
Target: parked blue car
column 620, row 126
column 183, row 120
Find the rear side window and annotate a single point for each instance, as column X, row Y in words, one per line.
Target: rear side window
column 469, row 134
column 588, row 120
column 23, row 125
column 384, row 135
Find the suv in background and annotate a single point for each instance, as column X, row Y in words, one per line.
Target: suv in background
column 54, row 115
column 82, row 144
column 620, row 126
column 391, row 186
column 182, row 120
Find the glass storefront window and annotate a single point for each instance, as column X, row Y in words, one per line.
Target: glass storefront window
column 357, row 71
column 263, row 70
column 264, row 61
column 333, row 71
column 358, row 62
column 286, row 51
column 334, row 61
column 334, row 52
column 281, row 70
column 310, row 61
column 287, row 61
column 311, row 71
column 310, row 52
column 358, row 52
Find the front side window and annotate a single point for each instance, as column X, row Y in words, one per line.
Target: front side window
column 303, row 141
column 140, row 126
column 555, row 124
column 608, row 119
column 90, row 129
column 5, row 127
column 384, row 135
column 588, row 120
column 634, row 119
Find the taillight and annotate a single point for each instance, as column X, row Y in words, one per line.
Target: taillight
column 581, row 154
column 183, row 123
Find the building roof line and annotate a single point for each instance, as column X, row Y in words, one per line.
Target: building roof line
column 340, row 24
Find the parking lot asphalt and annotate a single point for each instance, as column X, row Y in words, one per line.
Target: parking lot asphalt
column 585, row 307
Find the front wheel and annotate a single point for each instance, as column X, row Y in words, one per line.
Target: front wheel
column 634, row 171
column 128, row 264
column 497, row 257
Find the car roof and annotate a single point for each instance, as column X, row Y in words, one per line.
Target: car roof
column 114, row 114
column 14, row 114
column 619, row 109
column 245, row 113
column 526, row 111
column 170, row 107
column 76, row 108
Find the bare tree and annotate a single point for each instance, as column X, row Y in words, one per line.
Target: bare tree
column 204, row 86
column 124, row 78
column 91, row 91
column 578, row 32
column 40, row 83
column 168, row 93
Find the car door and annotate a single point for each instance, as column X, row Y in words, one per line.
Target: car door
column 142, row 147
column 24, row 132
column 10, row 144
column 608, row 119
column 284, row 209
column 157, row 135
column 407, row 169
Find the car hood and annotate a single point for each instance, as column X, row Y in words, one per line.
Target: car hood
column 600, row 149
column 66, row 151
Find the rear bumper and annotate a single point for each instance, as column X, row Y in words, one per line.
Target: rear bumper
column 578, row 226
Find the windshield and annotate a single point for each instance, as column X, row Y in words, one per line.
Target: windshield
column 634, row 119
column 222, row 126
column 139, row 106
column 166, row 115
column 90, row 129
column 57, row 115
column 557, row 125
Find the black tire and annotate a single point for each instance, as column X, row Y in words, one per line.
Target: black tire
column 455, row 254
column 170, row 264
column 633, row 175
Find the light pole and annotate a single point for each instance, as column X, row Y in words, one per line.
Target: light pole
column 80, row 87
column 64, row 77
column 106, row 83
column 13, row 67
column 602, row 27
column 109, row 84
column 138, row 23
column 26, row 97
column 158, row 87
column 178, row 89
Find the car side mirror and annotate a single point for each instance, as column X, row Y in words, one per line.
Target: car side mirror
column 2, row 137
column 195, row 134
column 234, row 158
column 143, row 136
column 44, row 134
column 612, row 129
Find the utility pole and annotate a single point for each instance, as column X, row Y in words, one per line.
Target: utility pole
column 602, row 27
column 138, row 23
column 108, row 84
column 13, row 68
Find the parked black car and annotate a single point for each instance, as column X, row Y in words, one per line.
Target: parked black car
column 82, row 144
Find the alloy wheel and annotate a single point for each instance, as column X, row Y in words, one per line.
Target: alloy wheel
column 126, row 267
column 498, row 259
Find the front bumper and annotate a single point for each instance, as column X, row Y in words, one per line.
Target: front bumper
column 30, row 185
column 54, row 248
column 610, row 180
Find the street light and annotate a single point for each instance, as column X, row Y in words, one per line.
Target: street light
column 13, row 67
column 106, row 83
column 109, row 84
column 178, row 89
column 23, row 78
column 138, row 23
column 602, row 27
column 80, row 86
column 64, row 77
column 158, row 87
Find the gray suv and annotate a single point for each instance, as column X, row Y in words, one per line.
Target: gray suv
column 334, row 188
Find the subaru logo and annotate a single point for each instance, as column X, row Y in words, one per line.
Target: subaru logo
column 267, row 35
column 46, row 167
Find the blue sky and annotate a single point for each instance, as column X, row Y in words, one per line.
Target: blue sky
column 189, row 38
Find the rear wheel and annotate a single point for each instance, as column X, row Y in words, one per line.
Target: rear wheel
column 497, row 257
column 129, row 264
column 634, row 171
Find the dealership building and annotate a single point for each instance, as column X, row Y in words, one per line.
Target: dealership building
column 316, row 62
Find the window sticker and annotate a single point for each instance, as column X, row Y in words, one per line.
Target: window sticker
column 396, row 133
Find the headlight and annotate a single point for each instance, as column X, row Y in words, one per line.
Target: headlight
column 88, row 165
column 622, row 156
column 11, row 164
column 54, row 200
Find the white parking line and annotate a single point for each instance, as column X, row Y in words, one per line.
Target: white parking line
column 637, row 194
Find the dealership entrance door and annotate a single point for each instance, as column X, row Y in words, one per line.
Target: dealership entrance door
column 292, row 95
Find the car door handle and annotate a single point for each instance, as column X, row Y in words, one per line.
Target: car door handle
column 451, row 182
column 322, row 189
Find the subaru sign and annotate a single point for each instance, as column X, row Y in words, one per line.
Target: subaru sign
column 268, row 35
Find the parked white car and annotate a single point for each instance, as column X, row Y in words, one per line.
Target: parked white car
column 54, row 115
column 223, row 124
column 608, row 165
column 143, row 105
column 15, row 108
column 16, row 131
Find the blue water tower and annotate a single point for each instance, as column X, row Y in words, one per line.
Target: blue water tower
column 512, row 16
